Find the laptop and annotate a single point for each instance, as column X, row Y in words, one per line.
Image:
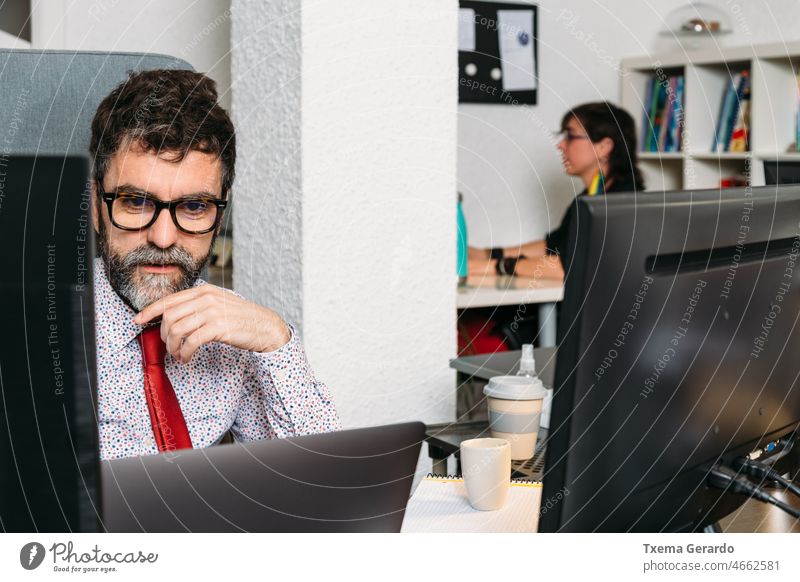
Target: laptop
column 349, row 481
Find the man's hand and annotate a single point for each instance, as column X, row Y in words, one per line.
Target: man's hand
column 206, row 314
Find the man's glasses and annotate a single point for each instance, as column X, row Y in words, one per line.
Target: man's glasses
column 137, row 212
column 568, row 136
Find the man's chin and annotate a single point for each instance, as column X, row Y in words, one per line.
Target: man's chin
column 141, row 299
column 152, row 285
column 159, row 282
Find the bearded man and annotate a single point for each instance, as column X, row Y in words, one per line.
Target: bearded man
column 181, row 363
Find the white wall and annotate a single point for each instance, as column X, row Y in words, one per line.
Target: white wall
column 197, row 31
column 379, row 179
column 10, row 41
column 508, row 169
column 346, row 114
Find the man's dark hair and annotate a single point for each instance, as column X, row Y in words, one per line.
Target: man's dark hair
column 174, row 111
column 604, row 119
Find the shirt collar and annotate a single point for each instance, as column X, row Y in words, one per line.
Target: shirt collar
column 114, row 318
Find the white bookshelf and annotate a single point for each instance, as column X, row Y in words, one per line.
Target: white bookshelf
column 707, row 73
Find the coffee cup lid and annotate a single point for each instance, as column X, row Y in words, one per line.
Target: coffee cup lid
column 515, row 388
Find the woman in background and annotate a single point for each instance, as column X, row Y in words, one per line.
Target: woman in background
column 598, row 145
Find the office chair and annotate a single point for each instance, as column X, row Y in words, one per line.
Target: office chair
column 49, row 97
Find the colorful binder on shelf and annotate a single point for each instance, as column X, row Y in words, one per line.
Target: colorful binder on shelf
column 740, row 134
column 732, row 131
column 663, row 116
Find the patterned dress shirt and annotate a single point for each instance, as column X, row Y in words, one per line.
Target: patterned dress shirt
column 255, row 396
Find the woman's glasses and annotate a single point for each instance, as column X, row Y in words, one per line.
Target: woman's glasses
column 568, row 136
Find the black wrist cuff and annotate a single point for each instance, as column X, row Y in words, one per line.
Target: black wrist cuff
column 510, row 266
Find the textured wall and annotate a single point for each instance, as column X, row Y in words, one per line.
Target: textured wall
column 267, row 72
column 508, row 168
column 350, row 192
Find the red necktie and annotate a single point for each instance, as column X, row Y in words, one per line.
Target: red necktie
column 169, row 426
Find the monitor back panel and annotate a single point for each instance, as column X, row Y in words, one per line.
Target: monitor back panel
column 781, row 172
column 675, row 355
column 48, row 435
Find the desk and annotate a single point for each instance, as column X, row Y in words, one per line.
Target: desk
column 492, row 291
column 443, row 439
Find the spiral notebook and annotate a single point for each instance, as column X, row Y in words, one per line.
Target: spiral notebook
column 440, row 505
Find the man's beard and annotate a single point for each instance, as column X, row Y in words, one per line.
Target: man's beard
column 142, row 289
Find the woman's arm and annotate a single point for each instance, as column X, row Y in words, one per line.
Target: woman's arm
column 473, row 253
column 537, row 248
column 482, row 267
column 543, row 267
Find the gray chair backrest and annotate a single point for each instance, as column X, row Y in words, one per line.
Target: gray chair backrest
column 48, row 98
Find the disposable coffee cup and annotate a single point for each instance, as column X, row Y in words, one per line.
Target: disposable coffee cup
column 547, row 406
column 486, row 468
column 515, row 407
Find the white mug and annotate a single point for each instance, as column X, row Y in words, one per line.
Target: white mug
column 486, row 468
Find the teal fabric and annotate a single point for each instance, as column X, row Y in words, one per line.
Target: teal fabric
column 48, row 98
column 462, row 266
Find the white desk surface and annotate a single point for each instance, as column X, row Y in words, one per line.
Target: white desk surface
column 493, row 291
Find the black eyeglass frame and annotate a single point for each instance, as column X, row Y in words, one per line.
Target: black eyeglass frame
column 160, row 205
column 568, row 137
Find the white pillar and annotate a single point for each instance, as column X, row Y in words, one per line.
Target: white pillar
column 345, row 193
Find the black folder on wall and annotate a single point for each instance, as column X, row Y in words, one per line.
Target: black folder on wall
column 478, row 69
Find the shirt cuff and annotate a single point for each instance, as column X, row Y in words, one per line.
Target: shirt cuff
column 277, row 352
column 279, row 363
column 305, row 406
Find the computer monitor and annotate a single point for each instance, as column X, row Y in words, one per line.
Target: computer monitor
column 48, row 431
column 680, row 339
column 781, row 172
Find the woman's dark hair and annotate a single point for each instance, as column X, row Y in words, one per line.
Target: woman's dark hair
column 604, row 119
column 173, row 111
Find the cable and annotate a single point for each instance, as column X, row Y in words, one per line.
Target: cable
column 723, row 477
column 764, row 472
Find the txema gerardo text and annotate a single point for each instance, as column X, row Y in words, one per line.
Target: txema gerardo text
column 688, row 549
